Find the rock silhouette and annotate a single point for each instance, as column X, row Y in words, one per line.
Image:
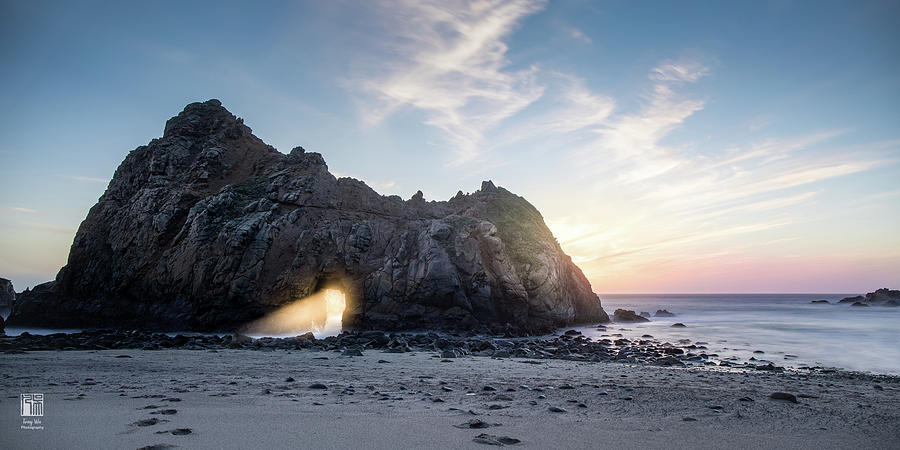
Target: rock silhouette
column 209, row 228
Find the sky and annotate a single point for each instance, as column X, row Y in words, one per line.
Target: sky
column 680, row 147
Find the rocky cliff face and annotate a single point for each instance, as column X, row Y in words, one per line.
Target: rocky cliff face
column 7, row 293
column 209, row 228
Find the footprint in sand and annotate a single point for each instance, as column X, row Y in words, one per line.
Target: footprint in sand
column 149, row 422
column 177, row 431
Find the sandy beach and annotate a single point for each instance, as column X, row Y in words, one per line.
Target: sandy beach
column 235, row 398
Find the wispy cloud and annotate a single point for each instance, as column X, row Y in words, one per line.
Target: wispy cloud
column 577, row 34
column 89, row 179
column 448, row 59
column 23, row 210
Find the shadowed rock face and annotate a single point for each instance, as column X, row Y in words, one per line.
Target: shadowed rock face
column 7, row 293
column 208, row 228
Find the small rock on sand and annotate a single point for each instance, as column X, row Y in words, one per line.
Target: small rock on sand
column 476, row 424
column 488, row 439
column 784, row 396
column 318, row 386
column 556, row 409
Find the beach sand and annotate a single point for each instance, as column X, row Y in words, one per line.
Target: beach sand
column 241, row 399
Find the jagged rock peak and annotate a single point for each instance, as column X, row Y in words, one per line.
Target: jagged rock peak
column 209, row 228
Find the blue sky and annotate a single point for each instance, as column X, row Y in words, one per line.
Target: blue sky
column 671, row 146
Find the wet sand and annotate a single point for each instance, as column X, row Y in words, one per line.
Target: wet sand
column 251, row 398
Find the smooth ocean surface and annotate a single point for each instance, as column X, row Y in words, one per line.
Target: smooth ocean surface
column 789, row 329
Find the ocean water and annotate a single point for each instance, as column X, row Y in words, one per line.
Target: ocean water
column 787, row 328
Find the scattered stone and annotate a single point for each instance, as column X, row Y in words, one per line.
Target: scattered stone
column 495, row 440
column 318, row 386
column 123, row 356
column 166, row 412
column 556, row 409
column 289, row 379
column 688, row 419
column 476, row 424
column 784, row 396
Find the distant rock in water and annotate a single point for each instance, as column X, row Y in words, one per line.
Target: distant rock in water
column 678, row 325
column 663, row 313
column 7, row 293
column 625, row 315
column 209, row 228
column 860, row 304
column 881, row 297
column 826, row 302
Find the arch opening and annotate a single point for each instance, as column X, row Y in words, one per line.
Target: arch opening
column 320, row 314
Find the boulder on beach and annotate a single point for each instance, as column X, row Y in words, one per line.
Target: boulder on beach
column 627, row 315
column 663, row 313
column 210, row 228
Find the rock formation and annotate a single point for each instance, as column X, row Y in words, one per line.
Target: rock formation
column 209, row 228
column 7, row 293
column 881, row 297
column 627, row 315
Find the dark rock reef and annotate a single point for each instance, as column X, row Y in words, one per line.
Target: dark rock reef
column 881, row 297
column 627, row 315
column 209, row 228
